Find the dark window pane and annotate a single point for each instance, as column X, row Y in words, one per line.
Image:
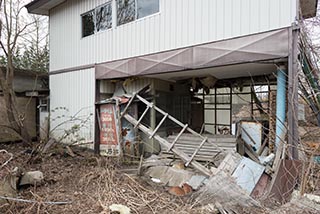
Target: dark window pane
column 147, row 7
column 125, row 11
column 104, row 17
column 87, row 24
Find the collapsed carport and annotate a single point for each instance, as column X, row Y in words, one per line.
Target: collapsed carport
column 204, row 74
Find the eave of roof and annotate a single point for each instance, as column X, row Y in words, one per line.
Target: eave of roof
column 42, row 7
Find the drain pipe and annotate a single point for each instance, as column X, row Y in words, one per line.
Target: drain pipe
column 281, row 105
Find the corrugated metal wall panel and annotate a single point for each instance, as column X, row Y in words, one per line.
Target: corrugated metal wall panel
column 72, row 94
column 180, row 23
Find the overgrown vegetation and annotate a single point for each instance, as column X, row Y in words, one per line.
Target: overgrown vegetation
column 23, row 45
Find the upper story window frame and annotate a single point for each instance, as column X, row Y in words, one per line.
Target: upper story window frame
column 136, row 18
column 114, row 16
column 94, row 12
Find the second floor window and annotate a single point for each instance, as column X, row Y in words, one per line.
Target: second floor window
column 147, row 7
column 130, row 10
column 87, row 23
column 97, row 20
column 126, row 11
column 104, row 17
column 100, row 18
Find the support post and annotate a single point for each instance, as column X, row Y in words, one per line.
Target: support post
column 293, row 135
column 97, row 122
column 281, row 106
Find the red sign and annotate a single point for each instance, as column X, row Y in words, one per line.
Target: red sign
column 108, row 132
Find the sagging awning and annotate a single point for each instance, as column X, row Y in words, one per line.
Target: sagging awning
column 253, row 48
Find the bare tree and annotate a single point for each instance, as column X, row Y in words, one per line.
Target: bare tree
column 12, row 28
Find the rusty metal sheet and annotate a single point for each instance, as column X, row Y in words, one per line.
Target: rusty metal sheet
column 261, row 187
column 286, row 178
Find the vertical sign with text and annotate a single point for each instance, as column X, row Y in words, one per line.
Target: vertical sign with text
column 109, row 142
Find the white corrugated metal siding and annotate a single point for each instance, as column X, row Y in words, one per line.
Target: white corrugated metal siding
column 180, row 23
column 73, row 95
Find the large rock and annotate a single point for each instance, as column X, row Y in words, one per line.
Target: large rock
column 31, row 178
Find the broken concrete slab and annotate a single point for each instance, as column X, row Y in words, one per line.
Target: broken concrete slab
column 155, row 160
column 31, row 178
column 196, row 181
column 169, row 176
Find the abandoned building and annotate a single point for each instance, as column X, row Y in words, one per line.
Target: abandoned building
column 32, row 90
column 208, row 66
column 188, row 78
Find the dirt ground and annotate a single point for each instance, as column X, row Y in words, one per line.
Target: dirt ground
column 90, row 184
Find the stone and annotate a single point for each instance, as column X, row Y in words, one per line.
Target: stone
column 119, row 208
column 31, row 178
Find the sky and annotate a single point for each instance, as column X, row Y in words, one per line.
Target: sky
column 24, row 19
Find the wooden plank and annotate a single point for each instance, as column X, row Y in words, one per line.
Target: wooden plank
column 210, row 139
column 262, row 146
column 201, row 151
column 142, row 116
column 208, row 145
column 240, row 147
column 197, row 150
column 128, row 105
column 159, row 125
column 177, row 137
column 197, row 158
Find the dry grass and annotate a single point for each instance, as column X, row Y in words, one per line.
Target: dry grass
column 90, row 183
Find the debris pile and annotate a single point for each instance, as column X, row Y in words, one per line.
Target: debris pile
column 251, row 166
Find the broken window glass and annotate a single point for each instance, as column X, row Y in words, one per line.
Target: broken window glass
column 147, row 7
column 125, row 11
column 87, row 23
column 104, row 17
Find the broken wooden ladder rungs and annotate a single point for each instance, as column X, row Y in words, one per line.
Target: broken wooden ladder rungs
column 178, row 136
column 197, row 150
column 143, row 114
column 188, row 159
column 128, row 105
column 159, row 125
column 165, row 143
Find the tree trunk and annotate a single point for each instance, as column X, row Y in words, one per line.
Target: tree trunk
column 15, row 117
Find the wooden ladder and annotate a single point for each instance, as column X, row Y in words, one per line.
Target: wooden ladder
column 188, row 159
